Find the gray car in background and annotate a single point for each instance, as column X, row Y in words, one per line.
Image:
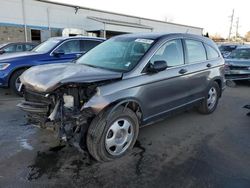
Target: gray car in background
column 13, row 47
column 100, row 101
column 238, row 64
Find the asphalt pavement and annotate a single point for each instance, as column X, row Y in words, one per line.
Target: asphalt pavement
column 186, row 150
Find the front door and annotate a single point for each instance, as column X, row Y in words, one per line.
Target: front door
column 166, row 90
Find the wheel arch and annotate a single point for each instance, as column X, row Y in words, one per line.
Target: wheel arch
column 15, row 70
column 219, row 81
column 130, row 103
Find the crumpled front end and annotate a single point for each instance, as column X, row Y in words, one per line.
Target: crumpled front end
column 61, row 110
column 55, row 96
column 237, row 70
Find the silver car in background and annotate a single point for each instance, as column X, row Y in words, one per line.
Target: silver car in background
column 237, row 64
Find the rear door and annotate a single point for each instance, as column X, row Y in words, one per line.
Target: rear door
column 199, row 68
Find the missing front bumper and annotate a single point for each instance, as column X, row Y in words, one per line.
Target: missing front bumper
column 33, row 107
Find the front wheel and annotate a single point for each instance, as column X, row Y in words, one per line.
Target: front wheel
column 15, row 81
column 111, row 138
column 209, row 104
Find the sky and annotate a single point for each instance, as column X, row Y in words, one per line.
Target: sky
column 212, row 15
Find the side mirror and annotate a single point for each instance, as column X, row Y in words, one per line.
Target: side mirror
column 157, row 66
column 58, row 53
column 2, row 51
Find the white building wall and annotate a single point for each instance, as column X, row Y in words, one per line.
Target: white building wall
column 45, row 15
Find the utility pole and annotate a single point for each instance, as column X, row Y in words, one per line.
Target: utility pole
column 231, row 25
column 24, row 21
column 237, row 27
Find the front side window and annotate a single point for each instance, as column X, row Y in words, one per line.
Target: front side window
column 211, row 52
column 118, row 54
column 195, row 51
column 171, row 52
column 240, row 54
column 70, row 47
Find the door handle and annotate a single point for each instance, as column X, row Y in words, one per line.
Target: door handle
column 209, row 65
column 183, row 71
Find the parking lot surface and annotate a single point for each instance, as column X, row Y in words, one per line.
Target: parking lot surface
column 186, row 150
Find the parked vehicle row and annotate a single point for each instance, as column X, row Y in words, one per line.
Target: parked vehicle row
column 100, row 101
column 54, row 50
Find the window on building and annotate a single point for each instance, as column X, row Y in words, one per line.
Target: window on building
column 211, row 52
column 171, row 52
column 35, row 35
column 195, row 51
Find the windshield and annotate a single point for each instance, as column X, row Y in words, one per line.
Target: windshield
column 2, row 45
column 240, row 54
column 118, row 54
column 46, row 46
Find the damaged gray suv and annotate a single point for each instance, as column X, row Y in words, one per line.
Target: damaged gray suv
column 100, row 101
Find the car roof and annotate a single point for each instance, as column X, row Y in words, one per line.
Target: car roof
column 157, row 36
column 77, row 37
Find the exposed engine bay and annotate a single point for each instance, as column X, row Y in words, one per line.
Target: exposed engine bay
column 62, row 110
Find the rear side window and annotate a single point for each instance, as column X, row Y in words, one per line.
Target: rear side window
column 88, row 44
column 171, row 52
column 68, row 47
column 195, row 51
column 211, row 52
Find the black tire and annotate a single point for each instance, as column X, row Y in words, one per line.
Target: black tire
column 13, row 79
column 204, row 106
column 98, row 130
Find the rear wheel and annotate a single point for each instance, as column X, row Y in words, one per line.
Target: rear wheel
column 210, row 102
column 15, row 81
column 111, row 138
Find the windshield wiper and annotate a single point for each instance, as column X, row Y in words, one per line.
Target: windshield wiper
column 92, row 66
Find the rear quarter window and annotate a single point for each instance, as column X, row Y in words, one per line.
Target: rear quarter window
column 195, row 51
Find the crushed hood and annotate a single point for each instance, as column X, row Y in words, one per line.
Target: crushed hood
column 46, row 78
